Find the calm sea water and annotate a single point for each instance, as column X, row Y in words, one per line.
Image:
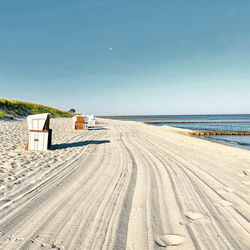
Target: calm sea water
column 237, row 141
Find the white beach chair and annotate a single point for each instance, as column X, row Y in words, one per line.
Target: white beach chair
column 91, row 119
column 40, row 135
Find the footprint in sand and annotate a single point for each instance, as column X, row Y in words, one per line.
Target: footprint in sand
column 19, row 239
column 170, row 240
column 8, row 238
column 2, row 187
column 193, row 216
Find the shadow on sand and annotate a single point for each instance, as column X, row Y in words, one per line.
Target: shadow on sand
column 77, row 144
column 96, row 128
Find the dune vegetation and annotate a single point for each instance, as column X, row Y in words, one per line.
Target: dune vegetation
column 16, row 108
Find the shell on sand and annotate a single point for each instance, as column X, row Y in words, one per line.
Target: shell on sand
column 193, row 215
column 171, row 240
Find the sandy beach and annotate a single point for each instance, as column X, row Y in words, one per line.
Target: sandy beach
column 122, row 185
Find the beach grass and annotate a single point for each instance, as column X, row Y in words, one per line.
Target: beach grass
column 16, row 108
column 4, row 115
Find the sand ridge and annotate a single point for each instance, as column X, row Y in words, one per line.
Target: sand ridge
column 122, row 185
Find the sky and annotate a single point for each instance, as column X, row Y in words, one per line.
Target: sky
column 121, row 57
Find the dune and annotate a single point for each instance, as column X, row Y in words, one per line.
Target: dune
column 122, row 185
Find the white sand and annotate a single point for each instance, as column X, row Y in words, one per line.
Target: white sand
column 123, row 185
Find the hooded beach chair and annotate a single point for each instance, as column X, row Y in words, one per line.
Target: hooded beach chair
column 40, row 135
column 91, row 119
column 79, row 122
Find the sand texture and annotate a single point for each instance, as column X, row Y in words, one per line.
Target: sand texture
column 122, row 185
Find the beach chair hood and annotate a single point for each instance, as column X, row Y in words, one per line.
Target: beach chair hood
column 38, row 122
column 74, row 118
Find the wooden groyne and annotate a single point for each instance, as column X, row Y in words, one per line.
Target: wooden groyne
column 201, row 133
column 189, row 122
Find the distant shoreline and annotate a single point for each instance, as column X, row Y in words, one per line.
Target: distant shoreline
column 223, row 129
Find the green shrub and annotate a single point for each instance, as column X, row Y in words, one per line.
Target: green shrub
column 17, row 108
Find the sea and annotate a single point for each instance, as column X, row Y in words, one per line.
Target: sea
column 241, row 122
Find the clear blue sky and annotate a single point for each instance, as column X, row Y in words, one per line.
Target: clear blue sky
column 127, row 56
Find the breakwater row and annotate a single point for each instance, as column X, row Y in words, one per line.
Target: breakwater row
column 194, row 122
column 202, row 133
